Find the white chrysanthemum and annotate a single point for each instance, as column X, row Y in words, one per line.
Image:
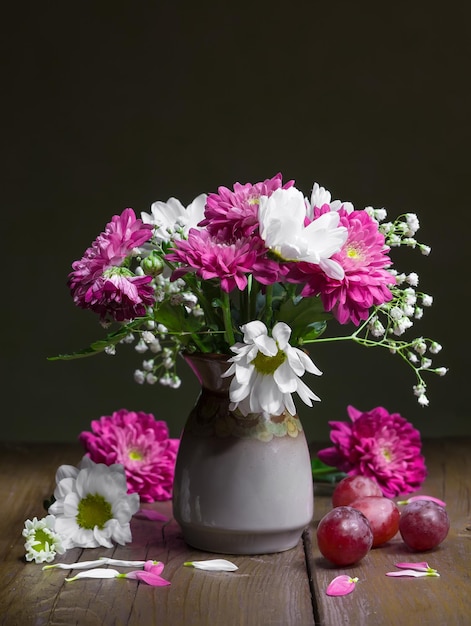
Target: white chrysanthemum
column 42, row 541
column 282, row 228
column 172, row 220
column 92, row 506
column 266, row 371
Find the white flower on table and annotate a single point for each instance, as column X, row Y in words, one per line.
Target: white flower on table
column 42, row 541
column 92, row 506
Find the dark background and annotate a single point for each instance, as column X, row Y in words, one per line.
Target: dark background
column 109, row 105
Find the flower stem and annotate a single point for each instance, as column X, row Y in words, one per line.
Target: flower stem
column 268, row 305
column 226, row 311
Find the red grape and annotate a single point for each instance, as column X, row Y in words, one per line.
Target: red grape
column 351, row 488
column 423, row 525
column 344, row 536
column 383, row 515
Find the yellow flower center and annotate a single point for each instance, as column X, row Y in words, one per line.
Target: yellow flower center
column 44, row 540
column 354, row 253
column 93, row 510
column 387, row 454
column 254, row 200
column 267, row 365
column 135, row 455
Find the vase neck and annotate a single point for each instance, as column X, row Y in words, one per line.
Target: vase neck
column 208, row 368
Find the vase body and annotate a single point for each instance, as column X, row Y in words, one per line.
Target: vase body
column 243, row 485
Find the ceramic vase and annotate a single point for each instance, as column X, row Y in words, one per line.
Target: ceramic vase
column 243, row 485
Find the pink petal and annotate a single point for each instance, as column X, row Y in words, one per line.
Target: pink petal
column 419, row 567
column 155, row 567
column 341, row 586
column 149, row 514
column 148, row 577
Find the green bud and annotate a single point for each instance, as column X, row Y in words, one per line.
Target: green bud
column 152, row 265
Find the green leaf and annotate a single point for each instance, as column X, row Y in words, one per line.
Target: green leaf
column 176, row 319
column 305, row 316
column 325, row 473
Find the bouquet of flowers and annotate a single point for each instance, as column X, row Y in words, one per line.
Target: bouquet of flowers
column 259, row 273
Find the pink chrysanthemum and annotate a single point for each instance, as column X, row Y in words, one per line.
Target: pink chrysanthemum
column 99, row 282
column 364, row 259
column 230, row 263
column 141, row 444
column 381, row 445
column 233, row 214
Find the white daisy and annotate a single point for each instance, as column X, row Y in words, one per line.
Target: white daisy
column 92, row 506
column 266, row 371
column 282, row 228
column 172, row 220
column 42, row 541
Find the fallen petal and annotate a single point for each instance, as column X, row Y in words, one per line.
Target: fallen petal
column 215, row 565
column 414, row 573
column 415, row 498
column 154, row 516
column 341, row 586
column 148, row 577
column 99, row 572
column 89, row 564
column 420, row 567
column 156, row 567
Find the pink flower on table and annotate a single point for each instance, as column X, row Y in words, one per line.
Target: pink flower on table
column 381, row 445
column 139, row 443
column 364, row 260
column 233, row 214
column 101, row 282
column 212, row 258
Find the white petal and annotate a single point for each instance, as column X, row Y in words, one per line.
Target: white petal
column 252, row 330
column 66, row 471
column 306, row 394
column 266, row 345
column 104, row 560
column 99, row 572
column 285, row 379
column 281, row 333
column 214, row 565
column 270, row 397
column 332, row 269
column 289, row 404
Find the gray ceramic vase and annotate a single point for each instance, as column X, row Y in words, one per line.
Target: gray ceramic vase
column 243, row 485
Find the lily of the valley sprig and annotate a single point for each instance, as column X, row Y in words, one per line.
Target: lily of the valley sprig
column 258, row 271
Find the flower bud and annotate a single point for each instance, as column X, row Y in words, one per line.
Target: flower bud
column 152, row 265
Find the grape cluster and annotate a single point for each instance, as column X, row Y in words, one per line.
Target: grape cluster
column 362, row 518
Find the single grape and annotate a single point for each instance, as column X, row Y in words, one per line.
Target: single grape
column 351, row 488
column 383, row 515
column 344, row 535
column 423, row 525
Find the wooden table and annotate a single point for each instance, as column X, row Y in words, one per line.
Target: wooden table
column 280, row 589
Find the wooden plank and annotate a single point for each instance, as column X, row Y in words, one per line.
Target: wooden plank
column 379, row 599
column 267, row 589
